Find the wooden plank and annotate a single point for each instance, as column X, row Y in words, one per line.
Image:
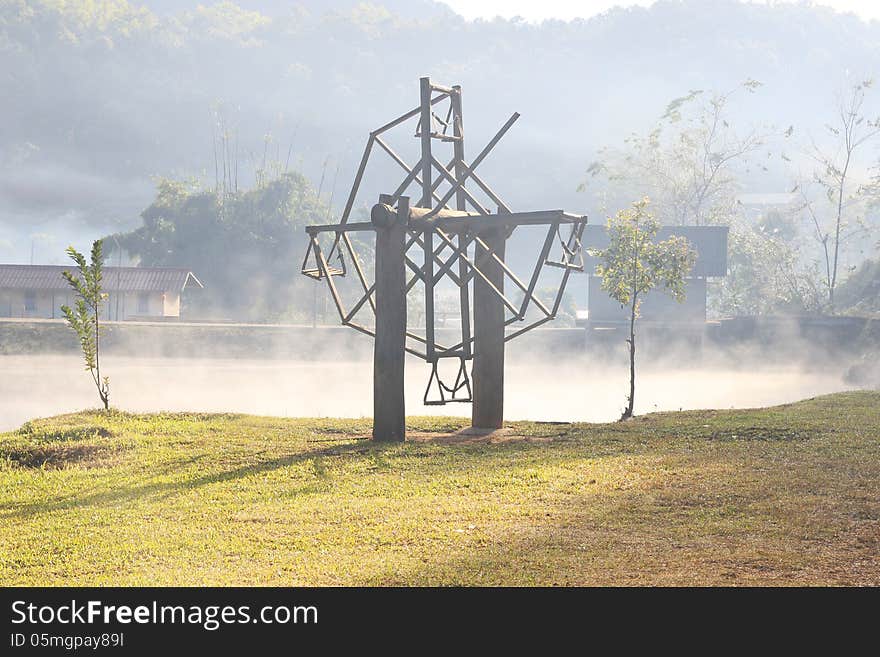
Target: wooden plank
column 428, row 269
column 525, row 329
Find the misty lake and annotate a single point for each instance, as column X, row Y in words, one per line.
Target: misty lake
column 39, row 386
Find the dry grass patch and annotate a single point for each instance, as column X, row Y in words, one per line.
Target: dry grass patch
column 777, row 496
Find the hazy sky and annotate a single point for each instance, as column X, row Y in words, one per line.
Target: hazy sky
column 533, row 10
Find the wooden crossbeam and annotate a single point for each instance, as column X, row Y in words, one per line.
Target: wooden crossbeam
column 460, row 220
column 457, row 187
column 360, row 303
column 528, row 290
column 453, row 259
column 408, row 115
column 536, row 273
column 411, row 171
column 465, row 171
column 476, row 270
column 416, row 238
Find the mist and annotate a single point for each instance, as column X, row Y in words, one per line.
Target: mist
column 89, row 121
column 557, row 375
column 118, row 119
column 575, row 391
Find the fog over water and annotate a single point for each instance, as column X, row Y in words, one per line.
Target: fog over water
column 39, row 386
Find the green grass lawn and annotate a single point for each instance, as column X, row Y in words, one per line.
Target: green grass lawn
column 785, row 495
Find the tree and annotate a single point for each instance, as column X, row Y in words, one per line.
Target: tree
column 693, row 163
column 766, row 272
column 245, row 246
column 860, row 292
column 688, row 162
column 84, row 319
column 838, row 215
column 634, row 264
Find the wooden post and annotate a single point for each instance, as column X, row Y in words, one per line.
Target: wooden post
column 427, row 197
column 488, row 369
column 460, row 205
column 389, row 412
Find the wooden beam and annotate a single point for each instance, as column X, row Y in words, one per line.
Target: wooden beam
column 488, row 147
column 475, row 223
column 349, row 203
column 536, row 274
column 357, row 268
column 470, row 173
column 427, row 195
column 411, row 171
column 389, row 410
column 325, row 271
column 488, row 369
column 462, row 220
column 457, row 188
column 425, row 132
column 407, row 116
column 340, row 228
column 442, row 89
column 478, row 272
column 464, row 300
column 419, row 218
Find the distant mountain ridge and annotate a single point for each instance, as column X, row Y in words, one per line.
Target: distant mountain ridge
column 99, row 97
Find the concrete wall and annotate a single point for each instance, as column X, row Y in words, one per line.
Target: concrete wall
column 144, row 305
column 710, row 243
column 124, row 306
column 655, row 306
column 47, row 304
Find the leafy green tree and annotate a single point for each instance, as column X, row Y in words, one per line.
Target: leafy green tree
column 246, row 246
column 634, row 264
column 84, row 318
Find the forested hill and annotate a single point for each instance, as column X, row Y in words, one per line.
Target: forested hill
column 99, row 96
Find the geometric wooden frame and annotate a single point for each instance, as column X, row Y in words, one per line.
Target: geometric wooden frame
column 449, row 235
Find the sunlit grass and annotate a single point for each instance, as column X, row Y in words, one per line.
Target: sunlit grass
column 786, row 495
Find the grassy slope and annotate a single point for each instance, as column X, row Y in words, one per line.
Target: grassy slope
column 786, row 495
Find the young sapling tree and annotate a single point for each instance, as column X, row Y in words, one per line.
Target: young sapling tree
column 634, row 264
column 84, row 318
